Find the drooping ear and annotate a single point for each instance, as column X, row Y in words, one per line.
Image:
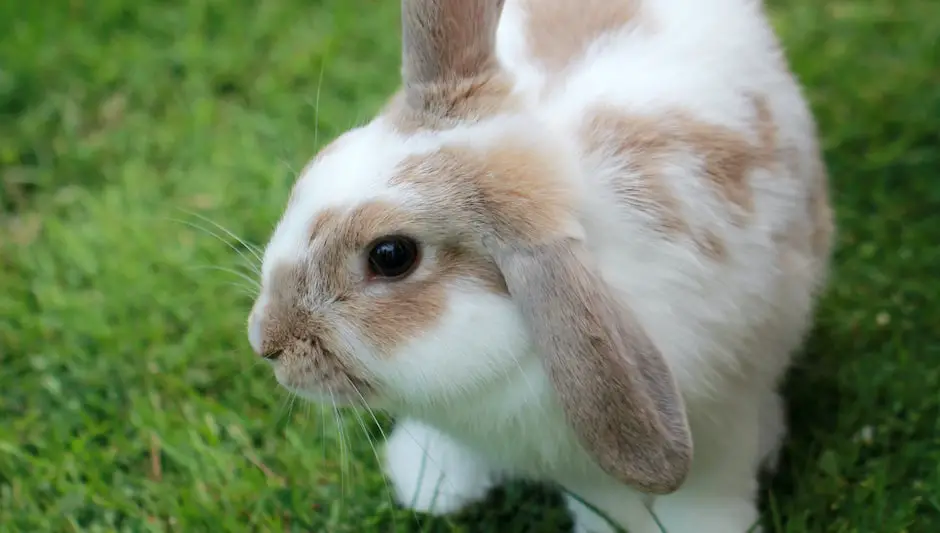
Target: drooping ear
column 447, row 40
column 615, row 387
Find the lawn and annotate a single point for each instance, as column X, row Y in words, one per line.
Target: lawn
column 130, row 398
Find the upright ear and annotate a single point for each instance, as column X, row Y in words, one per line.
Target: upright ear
column 617, row 391
column 447, row 40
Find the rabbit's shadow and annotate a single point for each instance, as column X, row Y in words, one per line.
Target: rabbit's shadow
column 813, row 394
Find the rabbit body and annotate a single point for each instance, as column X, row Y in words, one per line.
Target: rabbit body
column 690, row 160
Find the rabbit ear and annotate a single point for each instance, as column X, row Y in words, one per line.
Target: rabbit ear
column 614, row 386
column 447, row 40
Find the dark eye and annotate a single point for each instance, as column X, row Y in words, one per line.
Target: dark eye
column 393, row 257
column 273, row 355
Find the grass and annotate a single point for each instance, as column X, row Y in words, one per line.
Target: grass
column 130, row 400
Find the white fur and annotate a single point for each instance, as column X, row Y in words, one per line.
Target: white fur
column 471, row 392
column 432, row 473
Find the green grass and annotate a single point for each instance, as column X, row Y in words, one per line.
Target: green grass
column 130, row 400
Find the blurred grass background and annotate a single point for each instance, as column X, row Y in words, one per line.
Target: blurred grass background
column 129, row 399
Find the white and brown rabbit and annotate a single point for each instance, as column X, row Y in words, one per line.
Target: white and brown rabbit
column 579, row 246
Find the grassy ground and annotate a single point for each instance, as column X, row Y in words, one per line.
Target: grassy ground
column 130, row 400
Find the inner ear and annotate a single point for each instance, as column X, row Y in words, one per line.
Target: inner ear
column 616, row 389
column 444, row 41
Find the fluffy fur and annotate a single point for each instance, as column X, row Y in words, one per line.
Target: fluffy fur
column 624, row 224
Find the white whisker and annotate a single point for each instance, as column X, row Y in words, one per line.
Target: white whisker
column 246, row 289
column 255, row 251
column 343, row 459
column 248, row 261
column 242, row 275
column 369, row 410
column 378, row 459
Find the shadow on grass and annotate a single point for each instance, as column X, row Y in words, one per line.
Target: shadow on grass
column 517, row 507
column 813, row 395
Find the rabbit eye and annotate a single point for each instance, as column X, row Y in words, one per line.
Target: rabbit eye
column 273, row 355
column 393, row 257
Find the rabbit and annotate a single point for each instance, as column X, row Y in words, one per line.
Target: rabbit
column 580, row 246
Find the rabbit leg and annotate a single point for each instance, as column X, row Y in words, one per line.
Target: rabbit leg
column 430, row 472
column 622, row 505
column 720, row 494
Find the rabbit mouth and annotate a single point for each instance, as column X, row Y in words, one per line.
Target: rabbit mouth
column 321, row 379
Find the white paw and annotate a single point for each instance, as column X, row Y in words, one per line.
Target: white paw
column 705, row 514
column 443, row 480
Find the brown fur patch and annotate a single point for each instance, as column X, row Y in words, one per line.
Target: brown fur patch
column 448, row 39
column 323, row 222
column 644, row 143
column 340, row 234
column 387, row 317
column 509, row 189
column 389, row 320
column 413, row 306
column 711, row 245
column 559, row 31
column 729, row 156
column 446, row 105
column 450, row 73
column 461, row 262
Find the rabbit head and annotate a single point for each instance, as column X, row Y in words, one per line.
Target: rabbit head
column 423, row 255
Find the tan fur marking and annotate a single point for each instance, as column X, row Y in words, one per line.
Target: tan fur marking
column 371, row 220
column 766, row 131
column 460, row 262
column 414, row 306
column 445, row 106
column 510, row 186
column 344, row 233
column 448, row 39
column 729, row 156
column 403, row 308
column 388, row 321
column 450, row 74
column 711, row 246
column 323, row 222
column 643, row 143
column 560, row 31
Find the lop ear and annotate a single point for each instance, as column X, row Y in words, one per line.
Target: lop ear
column 615, row 387
column 447, row 40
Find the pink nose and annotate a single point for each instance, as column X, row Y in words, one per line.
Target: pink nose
column 254, row 331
